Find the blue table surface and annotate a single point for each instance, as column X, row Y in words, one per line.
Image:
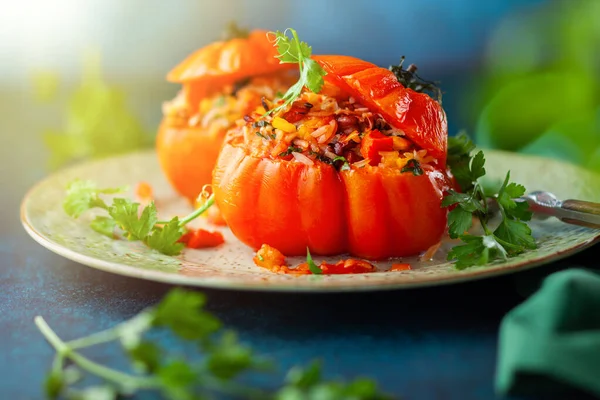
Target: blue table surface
column 431, row 343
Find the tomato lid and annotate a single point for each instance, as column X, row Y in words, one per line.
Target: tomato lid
column 422, row 119
column 231, row 59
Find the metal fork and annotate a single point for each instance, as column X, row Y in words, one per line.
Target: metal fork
column 578, row 212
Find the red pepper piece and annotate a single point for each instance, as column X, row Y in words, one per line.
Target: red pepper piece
column 374, row 142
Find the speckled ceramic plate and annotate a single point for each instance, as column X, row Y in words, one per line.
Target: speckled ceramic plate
column 230, row 265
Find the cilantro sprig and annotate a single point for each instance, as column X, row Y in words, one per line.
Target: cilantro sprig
column 123, row 213
column 510, row 237
column 293, row 51
column 214, row 371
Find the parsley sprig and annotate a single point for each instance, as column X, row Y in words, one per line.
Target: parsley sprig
column 510, row 237
column 124, row 214
column 221, row 360
column 293, row 51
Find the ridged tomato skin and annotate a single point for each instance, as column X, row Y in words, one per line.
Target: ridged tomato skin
column 371, row 212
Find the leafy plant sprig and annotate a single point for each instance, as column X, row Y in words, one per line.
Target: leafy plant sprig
column 124, row 214
column 293, row 51
column 512, row 235
column 222, row 359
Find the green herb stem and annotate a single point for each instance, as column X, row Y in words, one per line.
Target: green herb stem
column 105, row 336
column 209, row 202
column 64, row 350
column 101, row 337
column 61, row 347
column 299, row 48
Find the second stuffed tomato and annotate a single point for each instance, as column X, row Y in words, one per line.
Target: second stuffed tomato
column 221, row 83
column 358, row 168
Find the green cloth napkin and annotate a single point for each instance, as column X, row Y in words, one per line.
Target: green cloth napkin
column 550, row 344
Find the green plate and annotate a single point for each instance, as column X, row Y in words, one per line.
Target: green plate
column 230, row 265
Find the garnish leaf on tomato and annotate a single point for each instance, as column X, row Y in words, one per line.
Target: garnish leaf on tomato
column 293, row 51
column 512, row 235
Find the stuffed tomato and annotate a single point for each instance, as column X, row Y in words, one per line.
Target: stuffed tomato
column 220, row 83
column 357, row 168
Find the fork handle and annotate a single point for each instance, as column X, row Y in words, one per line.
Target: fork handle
column 585, row 213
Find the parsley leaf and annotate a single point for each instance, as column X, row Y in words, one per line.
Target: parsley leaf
column 229, row 358
column 459, row 159
column 84, row 195
column 516, row 235
column 512, row 236
column 145, row 356
column 307, row 383
column 314, row 268
column 313, row 74
column 181, row 311
column 293, row 51
column 177, row 379
column 104, row 225
column 165, row 239
column 125, row 214
column 459, row 222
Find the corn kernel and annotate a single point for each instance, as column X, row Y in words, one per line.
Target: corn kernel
column 260, row 110
column 282, row 124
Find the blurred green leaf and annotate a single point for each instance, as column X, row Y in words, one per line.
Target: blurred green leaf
column 45, row 85
column 540, row 88
column 573, row 139
column 594, row 162
column 523, row 109
column 97, row 120
column 579, row 39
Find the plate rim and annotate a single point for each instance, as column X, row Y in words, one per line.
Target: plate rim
column 221, row 284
